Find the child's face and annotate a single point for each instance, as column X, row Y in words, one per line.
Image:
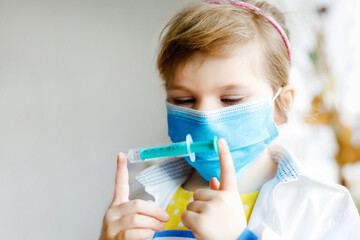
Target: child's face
column 207, row 83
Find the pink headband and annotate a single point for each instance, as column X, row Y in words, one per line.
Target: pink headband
column 269, row 18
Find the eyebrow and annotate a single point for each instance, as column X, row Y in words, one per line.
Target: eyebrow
column 222, row 88
column 178, row 87
column 232, row 86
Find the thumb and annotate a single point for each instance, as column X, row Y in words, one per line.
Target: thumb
column 214, row 184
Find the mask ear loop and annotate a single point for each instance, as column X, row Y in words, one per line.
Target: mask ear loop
column 283, row 125
column 276, row 95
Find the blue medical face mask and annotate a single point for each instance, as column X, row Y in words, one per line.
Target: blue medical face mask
column 248, row 129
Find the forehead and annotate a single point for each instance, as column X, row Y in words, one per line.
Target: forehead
column 242, row 68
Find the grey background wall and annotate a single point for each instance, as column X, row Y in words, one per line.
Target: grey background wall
column 78, row 84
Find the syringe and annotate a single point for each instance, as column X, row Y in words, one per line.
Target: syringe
column 187, row 148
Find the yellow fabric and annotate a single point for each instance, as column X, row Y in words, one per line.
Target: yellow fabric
column 182, row 198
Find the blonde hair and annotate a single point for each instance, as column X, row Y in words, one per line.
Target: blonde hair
column 216, row 30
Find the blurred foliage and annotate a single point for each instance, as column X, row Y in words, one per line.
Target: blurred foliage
column 324, row 109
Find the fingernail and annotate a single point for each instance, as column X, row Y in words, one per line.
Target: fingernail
column 160, row 227
column 122, row 156
column 166, row 216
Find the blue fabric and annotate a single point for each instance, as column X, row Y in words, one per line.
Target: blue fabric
column 174, row 233
column 248, row 129
column 247, row 235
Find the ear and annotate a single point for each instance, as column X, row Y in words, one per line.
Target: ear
column 284, row 104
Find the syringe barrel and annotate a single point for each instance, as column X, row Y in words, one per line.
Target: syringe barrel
column 134, row 155
column 187, row 148
column 202, row 146
column 177, row 149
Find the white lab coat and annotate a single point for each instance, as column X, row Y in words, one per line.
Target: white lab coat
column 293, row 205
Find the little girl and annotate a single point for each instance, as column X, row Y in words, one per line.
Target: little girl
column 225, row 66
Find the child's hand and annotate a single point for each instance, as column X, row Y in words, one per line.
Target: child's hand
column 217, row 213
column 136, row 219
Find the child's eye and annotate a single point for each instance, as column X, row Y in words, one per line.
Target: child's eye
column 232, row 101
column 184, row 101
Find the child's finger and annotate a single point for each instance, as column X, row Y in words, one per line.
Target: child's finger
column 205, row 194
column 138, row 206
column 190, row 219
column 135, row 234
column 197, row 206
column 136, row 221
column 227, row 176
column 122, row 181
column 214, row 184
